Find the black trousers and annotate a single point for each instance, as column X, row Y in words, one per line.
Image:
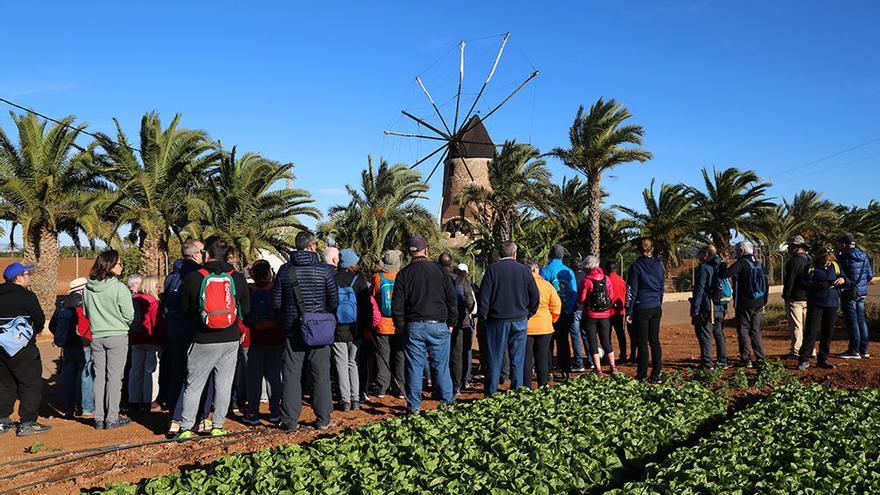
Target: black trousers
column 562, row 337
column 537, row 357
column 619, row 325
column 647, row 323
column 820, row 324
column 21, row 377
column 176, row 358
column 598, row 331
column 390, row 361
column 708, row 332
column 458, row 357
column 294, row 356
column 748, row 330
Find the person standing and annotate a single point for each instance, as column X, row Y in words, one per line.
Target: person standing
column 856, row 266
column 215, row 297
column 389, row 343
column 463, row 333
column 307, row 296
column 264, row 353
column 644, row 307
column 577, row 324
column 70, row 323
column 425, row 308
column 539, row 333
column 145, row 342
column 824, row 280
column 794, row 292
column 707, row 310
column 108, row 306
column 750, row 297
column 597, row 295
column 562, row 279
column 508, row 298
column 618, row 313
column 353, row 315
column 21, row 369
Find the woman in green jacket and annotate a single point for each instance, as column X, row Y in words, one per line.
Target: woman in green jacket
column 107, row 305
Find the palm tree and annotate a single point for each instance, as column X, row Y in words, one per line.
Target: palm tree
column 47, row 188
column 383, row 213
column 669, row 219
column 599, row 143
column 238, row 205
column 862, row 223
column 518, row 179
column 734, row 201
column 153, row 186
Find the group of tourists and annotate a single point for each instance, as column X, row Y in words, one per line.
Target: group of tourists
column 208, row 340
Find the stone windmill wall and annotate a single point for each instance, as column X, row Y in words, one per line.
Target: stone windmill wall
column 474, row 153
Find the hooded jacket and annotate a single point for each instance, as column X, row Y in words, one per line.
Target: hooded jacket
column 566, row 282
column 108, row 306
column 856, row 266
column 191, row 306
column 81, row 334
column 317, row 284
column 178, row 324
column 702, row 294
column 16, row 301
column 597, row 274
column 645, row 284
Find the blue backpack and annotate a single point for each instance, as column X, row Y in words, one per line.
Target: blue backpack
column 262, row 313
column 15, row 333
column 347, row 311
column 757, row 282
column 722, row 291
column 63, row 325
column 386, row 289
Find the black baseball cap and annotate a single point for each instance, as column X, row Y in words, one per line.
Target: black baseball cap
column 417, row 243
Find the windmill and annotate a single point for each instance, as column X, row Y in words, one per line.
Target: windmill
column 466, row 148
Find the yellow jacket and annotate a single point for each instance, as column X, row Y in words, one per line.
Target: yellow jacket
column 549, row 309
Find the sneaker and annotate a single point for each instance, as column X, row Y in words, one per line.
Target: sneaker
column 6, row 426
column 275, row 420
column 579, row 369
column 251, row 421
column 119, row 423
column 723, row 366
column 205, row 426
column 100, row 425
column 173, row 428
column 381, row 396
column 745, row 364
column 791, row 355
column 326, row 426
column 87, row 414
column 827, row 366
column 850, row 355
column 803, row 366
column 218, row 432
column 32, row 428
column 355, row 405
column 345, row 406
column 655, row 379
column 155, row 407
column 866, row 356
column 185, row 435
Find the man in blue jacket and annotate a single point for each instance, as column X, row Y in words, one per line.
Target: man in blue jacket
column 563, row 280
column 644, row 307
column 856, row 267
column 749, row 299
column 707, row 313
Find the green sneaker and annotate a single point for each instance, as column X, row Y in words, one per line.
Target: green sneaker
column 185, row 435
column 218, row 432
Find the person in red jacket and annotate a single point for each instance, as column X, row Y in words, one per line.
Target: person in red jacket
column 618, row 313
column 145, row 339
column 597, row 295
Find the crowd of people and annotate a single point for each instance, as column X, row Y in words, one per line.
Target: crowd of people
column 208, row 340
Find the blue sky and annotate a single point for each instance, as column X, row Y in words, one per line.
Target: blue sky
column 770, row 86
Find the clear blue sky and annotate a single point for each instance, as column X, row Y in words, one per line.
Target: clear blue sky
column 763, row 85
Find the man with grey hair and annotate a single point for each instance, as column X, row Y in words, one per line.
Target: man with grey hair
column 707, row 310
column 508, row 298
column 134, row 283
column 749, row 299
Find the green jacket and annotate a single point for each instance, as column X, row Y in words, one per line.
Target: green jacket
column 107, row 304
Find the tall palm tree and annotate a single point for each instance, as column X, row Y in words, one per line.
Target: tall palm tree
column 862, row 223
column 518, row 179
column 383, row 213
column 734, row 202
column 239, row 205
column 669, row 219
column 599, row 142
column 152, row 187
column 47, row 188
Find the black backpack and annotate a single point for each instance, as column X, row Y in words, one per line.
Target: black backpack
column 599, row 298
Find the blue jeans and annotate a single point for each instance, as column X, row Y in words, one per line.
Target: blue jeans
column 504, row 336
column 76, row 363
column 854, row 311
column 579, row 341
column 435, row 340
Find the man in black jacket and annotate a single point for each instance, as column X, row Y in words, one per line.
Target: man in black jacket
column 794, row 292
column 508, row 298
column 463, row 334
column 424, row 304
column 749, row 299
column 320, row 294
column 21, row 373
column 214, row 350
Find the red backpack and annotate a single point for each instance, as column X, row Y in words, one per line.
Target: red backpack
column 217, row 300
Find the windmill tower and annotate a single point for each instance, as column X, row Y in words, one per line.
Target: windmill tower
column 465, row 150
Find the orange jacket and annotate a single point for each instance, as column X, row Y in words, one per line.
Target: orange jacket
column 549, row 309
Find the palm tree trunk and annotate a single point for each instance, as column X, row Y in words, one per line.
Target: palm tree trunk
column 41, row 249
column 152, row 255
column 593, row 203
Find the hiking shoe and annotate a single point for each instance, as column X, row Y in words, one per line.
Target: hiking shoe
column 251, row 421
column 803, row 366
column 218, row 432
column 111, row 425
column 827, row 366
column 185, row 435
column 205, row 426
column 32, row 428
column 355, row 405
column 6, row 426
column 345, row 406
column 326, row 426
column 865, row 356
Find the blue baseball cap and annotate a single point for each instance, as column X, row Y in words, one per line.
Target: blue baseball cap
column 16, row 269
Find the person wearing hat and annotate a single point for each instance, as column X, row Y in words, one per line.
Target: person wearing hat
column 824, row 281
column 856, row 266
column 76, row 353
column 21, row 370
column 424, row 307
column 389, row 342
column 794, row 291
column 353, row 315
column 463, row 333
